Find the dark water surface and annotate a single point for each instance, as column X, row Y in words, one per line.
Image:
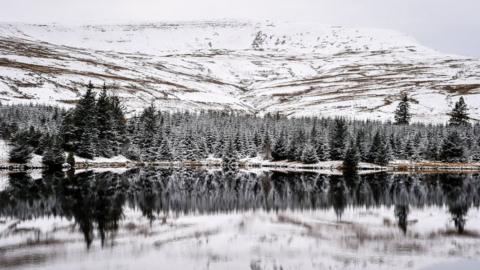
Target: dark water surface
column 131, row 214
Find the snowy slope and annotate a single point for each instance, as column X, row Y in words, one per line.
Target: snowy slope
column 293, row 68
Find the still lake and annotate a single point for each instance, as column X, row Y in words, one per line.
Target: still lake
column 187, row 218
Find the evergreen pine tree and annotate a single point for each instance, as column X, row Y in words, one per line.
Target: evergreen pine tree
column 119, row 134
column 219, row 144
column 21, row 153
column 374, row 148
column 279, row 151
column 350, row 162
column 229, row 158
column 379, row 152
column 85, row 125
column 257, row 139
column 402, row 113
column 384, row 155
column 45, row 142
column 432, row 151
column 475, row 153
column 190, row 150
column 292, row 150
column 411, row 150
column 267, row 147
column 86, row 146
column 301, row 141
column 149, row 129
column 361, row 144
column 238, row 143
column 453, row 148
column 54, row 156
column 459, row 114
column 106, row 139
column 309, row 155
column 165, row 152
column 69, row 131
column 210, row 141
column 202, row 148
column 323, row 151
column 337, row 140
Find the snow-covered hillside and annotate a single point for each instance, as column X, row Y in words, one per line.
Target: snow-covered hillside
column 292, row 68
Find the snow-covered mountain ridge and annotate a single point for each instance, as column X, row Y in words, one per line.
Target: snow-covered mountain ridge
column 293, row 68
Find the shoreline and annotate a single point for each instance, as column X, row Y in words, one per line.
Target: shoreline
column 333, row 166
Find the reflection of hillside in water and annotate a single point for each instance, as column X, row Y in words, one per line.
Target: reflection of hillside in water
column 96, row 201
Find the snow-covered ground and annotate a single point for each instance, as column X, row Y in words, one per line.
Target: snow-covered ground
column 97, row 160
column 361, row 239
column 36, row 160
column 4, row 150
column 332, row 166
column 255, row 67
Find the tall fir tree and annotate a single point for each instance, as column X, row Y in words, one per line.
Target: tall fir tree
column 453, row 148
column 360, row 142
column 338, row 139
column 20, row 153
column 266, row 146
column 379, row 152
column 85, row 125
column 119, row 125
column 384, row 155
column 190, row 150
column 106, row 140
column 322, row 149
column 309, row 155
column 411, row 150
column 352, row 157
column 86, row 145
column 229, row 158
column 402, row 113
column 459, row 114
column 149, row 128
column 165, row 151
column 54, row 156
column 279, row 151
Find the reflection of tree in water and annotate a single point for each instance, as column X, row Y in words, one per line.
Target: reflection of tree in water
column 91, row 199
column 96, row 200
column 144, row 191
column 360, row 190
column 338, row 194
column 458, row 198
column 26, row 198
column 401, row 200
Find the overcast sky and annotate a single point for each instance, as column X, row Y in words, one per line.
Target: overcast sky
column 451, row 26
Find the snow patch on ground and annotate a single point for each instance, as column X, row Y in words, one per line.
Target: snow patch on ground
column 115, row 159
column 4, row 150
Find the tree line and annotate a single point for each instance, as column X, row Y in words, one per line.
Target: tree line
column 97, row 127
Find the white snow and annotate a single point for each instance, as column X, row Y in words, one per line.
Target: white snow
column 295, row 68
column 4, row 150
column 115, row 159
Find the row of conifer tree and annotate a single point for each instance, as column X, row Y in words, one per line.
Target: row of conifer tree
column 97, row 127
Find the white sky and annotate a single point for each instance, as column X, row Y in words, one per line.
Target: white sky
column 451, row 26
